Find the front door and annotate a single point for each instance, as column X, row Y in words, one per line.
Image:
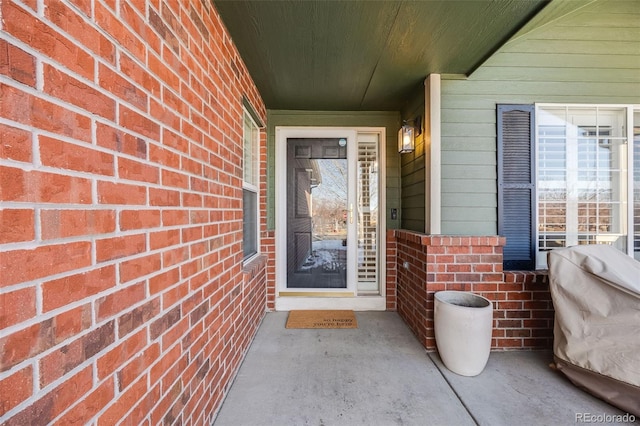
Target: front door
column 328, row 224
column 319, row 214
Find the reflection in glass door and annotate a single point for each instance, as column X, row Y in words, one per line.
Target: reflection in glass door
column 318, row 213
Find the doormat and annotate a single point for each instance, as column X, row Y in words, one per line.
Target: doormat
column 322, row 319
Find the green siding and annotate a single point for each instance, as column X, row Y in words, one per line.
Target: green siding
column 413, row 199
column 589, row 56
column 388, row 120
column 413, row 172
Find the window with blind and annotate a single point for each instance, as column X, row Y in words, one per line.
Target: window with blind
column 582, row 177
column 368, row 211
column 636, row 183
column 250, row 186
column 563, row 175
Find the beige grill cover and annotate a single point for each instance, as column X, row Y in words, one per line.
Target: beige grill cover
column 596, row 297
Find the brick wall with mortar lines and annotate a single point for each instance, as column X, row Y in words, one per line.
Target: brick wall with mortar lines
column 391, row 271
column 523, row 311
column 122, row 289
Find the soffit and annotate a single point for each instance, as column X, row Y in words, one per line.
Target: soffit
column 364, row 55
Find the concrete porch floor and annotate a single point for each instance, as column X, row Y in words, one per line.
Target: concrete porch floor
column 379, row 374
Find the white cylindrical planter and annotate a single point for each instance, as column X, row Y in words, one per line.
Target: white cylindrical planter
column 463, row 324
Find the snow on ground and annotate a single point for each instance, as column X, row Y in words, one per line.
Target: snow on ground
column 325, row 254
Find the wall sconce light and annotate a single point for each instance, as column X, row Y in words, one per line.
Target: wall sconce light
column 406, row 141
column 407, row 135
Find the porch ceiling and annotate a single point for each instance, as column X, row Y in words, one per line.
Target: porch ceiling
column 364, row 55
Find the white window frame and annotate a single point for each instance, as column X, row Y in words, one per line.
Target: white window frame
column 541, row 262
column 251, row 186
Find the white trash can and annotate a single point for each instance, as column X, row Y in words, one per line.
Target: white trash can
column 463, row 323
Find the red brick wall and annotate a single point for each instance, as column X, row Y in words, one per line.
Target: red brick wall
column 392, row 272
column 122, row 289
column 523, row 312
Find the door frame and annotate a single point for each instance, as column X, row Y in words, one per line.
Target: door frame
column 312, row 298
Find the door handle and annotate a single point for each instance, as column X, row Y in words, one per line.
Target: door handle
column 351, row 212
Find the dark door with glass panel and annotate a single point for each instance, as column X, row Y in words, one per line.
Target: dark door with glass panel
column 317, row 213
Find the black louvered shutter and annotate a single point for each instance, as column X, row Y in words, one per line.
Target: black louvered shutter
column 516, row 185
